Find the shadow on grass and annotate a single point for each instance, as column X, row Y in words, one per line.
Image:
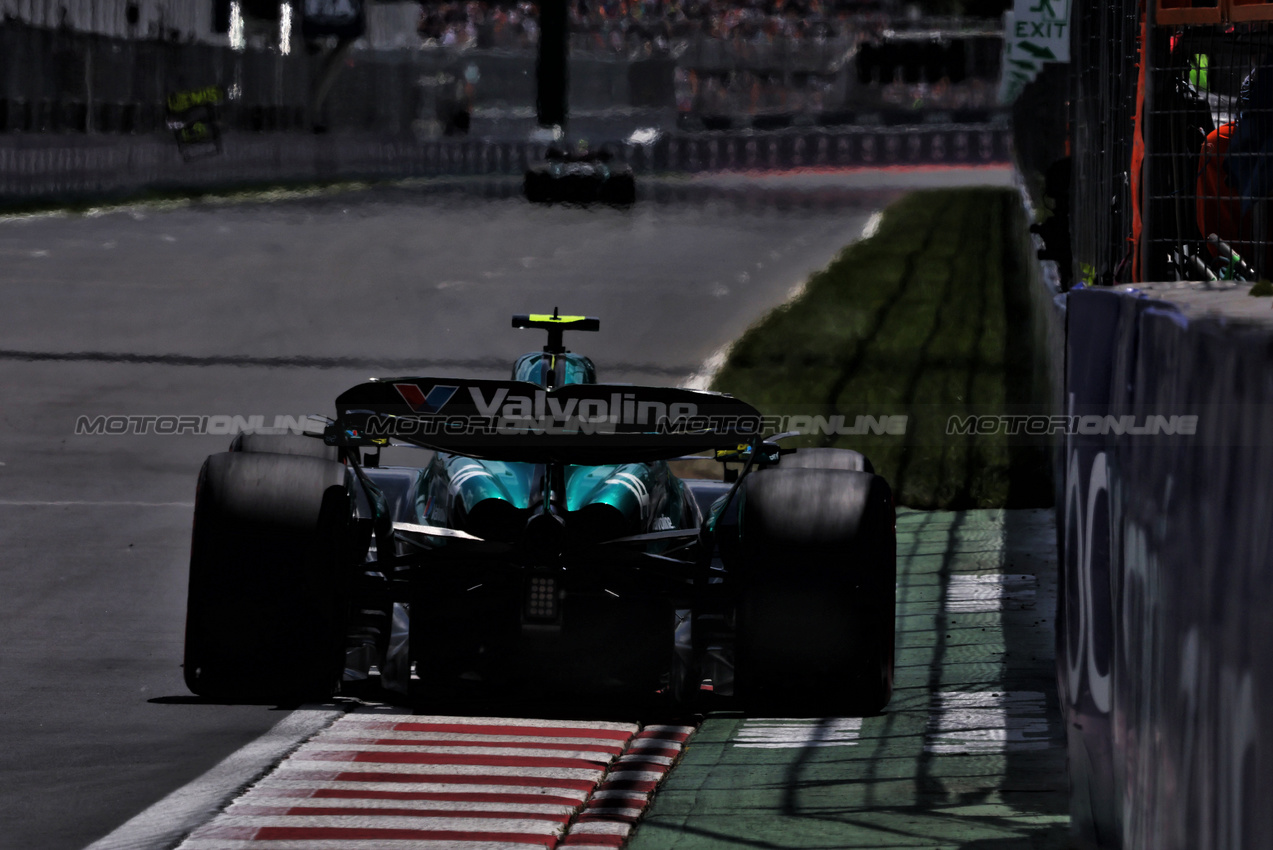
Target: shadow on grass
column 929, row 319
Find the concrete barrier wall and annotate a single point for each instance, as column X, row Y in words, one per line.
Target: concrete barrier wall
column 45, row 168
column 1165, row 639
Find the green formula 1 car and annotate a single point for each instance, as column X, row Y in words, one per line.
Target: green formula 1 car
column 545, row 548
column 580, row 177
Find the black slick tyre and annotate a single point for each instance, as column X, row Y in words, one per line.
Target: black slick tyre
column 267, row 605
column 822, row 458
column 537, row 187
column 815, row 575
column 619, row 190
column 284, row 444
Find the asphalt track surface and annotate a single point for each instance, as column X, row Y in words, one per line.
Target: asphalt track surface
column 271, row 308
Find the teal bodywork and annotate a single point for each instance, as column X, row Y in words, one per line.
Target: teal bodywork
column 571, row 368
column 495, row 499
column 597, row 170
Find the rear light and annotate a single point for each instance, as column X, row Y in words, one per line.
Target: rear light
column 543, row 599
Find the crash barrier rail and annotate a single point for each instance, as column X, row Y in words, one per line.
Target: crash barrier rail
column 32, row 168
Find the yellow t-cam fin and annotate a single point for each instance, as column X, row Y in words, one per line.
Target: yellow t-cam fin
column 544, row 320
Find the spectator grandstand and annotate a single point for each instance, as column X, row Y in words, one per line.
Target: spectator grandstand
column 634, row 26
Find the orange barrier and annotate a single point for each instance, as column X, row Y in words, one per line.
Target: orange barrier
column 1174, row 12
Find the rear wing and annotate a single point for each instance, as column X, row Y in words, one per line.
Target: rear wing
column 586, row 424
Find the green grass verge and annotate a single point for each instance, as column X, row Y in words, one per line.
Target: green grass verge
column 928, row 318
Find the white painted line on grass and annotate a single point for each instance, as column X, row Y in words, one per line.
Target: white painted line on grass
column 162, row 825
column 988, row 593
column 982, row 723
column 795, row 734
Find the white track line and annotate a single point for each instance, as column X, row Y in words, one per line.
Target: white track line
column 35, row 503
column 166, row 822
column 702, row 379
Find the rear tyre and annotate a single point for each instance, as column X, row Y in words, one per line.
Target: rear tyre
column 267, row 606
column 845, row 459
column 619, row 190
column 816, row 573
column 537, row 187
column 284, row 444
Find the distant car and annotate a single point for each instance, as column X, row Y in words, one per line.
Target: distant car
column 545, row 547
column 580, row 177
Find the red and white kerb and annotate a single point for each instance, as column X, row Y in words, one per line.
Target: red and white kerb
column 618, row 802
column 376, row 780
